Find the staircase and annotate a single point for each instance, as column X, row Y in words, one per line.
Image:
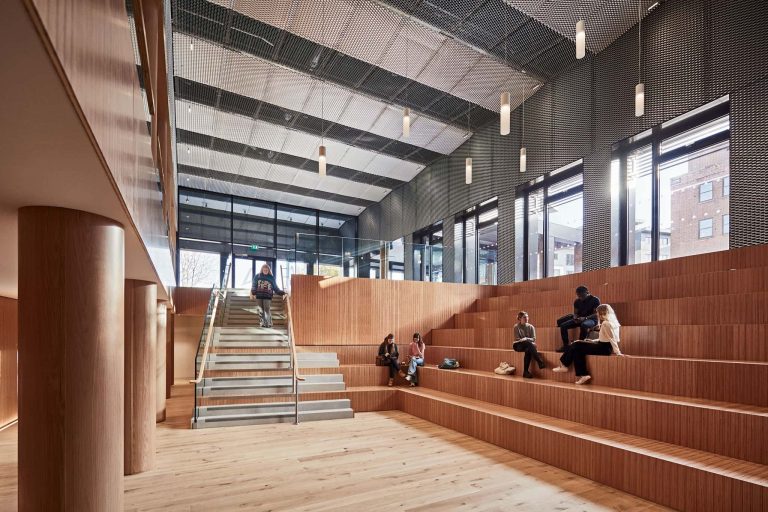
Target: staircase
column 248, row 374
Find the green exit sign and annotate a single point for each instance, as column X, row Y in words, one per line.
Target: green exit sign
column 254, row 247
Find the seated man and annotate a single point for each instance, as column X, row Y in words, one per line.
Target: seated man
column 584, row 316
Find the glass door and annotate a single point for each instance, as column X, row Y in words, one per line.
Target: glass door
column 247, row 266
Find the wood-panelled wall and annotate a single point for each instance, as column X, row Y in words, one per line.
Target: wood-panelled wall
column 9, row 369
column 352, row 311
column 90, row 41
column 191, row 301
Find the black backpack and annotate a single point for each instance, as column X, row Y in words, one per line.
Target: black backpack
column 449, row 364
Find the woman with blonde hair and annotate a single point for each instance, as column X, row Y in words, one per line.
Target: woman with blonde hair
column 263, row 288
column 607, row 343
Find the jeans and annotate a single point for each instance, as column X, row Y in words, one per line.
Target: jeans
column 266, row 315
column 394, row 367
column 415, row 361
column 577, row 354
column 530, row 353
column 584, row 328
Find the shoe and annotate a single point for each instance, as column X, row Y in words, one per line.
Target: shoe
column 560, row 369
column 413, row 385
column 527, row 375
column 391, row 382
column 561, row 349
column 584, row 379
column 408, row 378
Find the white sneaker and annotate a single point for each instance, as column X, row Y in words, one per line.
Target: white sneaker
column 560, row 369
column 584, row 379
column 408, row 378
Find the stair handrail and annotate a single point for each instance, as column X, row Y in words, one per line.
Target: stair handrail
column 220, row 296
column 294, row 359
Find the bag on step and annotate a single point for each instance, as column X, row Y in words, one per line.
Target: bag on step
column 565, row 318
column 449, row 364
column 504, row 369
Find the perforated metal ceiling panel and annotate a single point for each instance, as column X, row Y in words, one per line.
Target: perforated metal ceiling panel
column 374, row 33
column 605, row 20
column 244, row 190
column 208, row 121
column 259, row 79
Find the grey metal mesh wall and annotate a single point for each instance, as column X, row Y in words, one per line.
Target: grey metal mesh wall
column 694, row 51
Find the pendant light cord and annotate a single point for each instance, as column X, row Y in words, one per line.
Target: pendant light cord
column 639, row 41
column 322, row 83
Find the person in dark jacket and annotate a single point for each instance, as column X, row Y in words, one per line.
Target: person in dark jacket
column 584, row 316
column 263, row 288
column 388, row 350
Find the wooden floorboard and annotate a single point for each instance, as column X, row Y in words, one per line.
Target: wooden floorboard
column 385, row 460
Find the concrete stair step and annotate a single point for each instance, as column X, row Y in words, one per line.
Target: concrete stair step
column 272, row 407
column 217, row 386
column 267, row 418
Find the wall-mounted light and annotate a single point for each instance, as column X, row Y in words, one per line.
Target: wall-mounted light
column 581, row 41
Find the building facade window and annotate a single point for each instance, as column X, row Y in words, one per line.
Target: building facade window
column 476, row 244
column 726, row 224
column 666, row 183
column 290, row 239
column 705, row 191
column 428, row 254
column 705, row 228
column 552, row 235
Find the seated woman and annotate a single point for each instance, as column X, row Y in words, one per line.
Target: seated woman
column 388, row 351
column 607, row 343
column 525, row 341
column 416, row 351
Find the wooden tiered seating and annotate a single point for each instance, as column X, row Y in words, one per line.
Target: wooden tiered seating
column 681, row 421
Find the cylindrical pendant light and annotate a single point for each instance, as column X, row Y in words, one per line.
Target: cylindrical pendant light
column 640, row 87
column 581, row 41
column 639, row 100
column 523, row 155
column 468, row 171
column 505, row 114
column 406, row 122
column 321, row 161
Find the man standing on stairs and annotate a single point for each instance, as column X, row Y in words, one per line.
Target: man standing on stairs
column 584, row 316
column 263, row 288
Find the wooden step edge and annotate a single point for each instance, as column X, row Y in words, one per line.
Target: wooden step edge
column 730, row 407
column 705, row 461
column 629, row 356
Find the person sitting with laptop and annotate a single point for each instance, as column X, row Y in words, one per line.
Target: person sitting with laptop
column 584, row 316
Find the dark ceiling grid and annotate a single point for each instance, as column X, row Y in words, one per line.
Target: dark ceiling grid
column 276, row 157
column 272, row 185
column 487, row 24
column 307, row 57
column 226, row 101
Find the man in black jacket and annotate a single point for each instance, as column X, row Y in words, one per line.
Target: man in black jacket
column 584, row 316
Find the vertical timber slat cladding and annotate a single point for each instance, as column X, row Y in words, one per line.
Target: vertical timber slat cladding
column 91, row 42
column 590, row 107
column 9, row 345
column 350, row 311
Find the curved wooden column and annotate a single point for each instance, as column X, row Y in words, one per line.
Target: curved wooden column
column 162, row 325
column 71, row 275
column 140, row 381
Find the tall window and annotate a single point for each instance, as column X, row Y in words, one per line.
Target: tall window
column 552, row 234
column 428, row 254
column 476, row 253
column 673, row 184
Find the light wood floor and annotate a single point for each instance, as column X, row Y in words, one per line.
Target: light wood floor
column 381, row 461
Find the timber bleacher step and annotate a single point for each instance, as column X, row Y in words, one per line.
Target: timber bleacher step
column 673, row 419
column 644, row 467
